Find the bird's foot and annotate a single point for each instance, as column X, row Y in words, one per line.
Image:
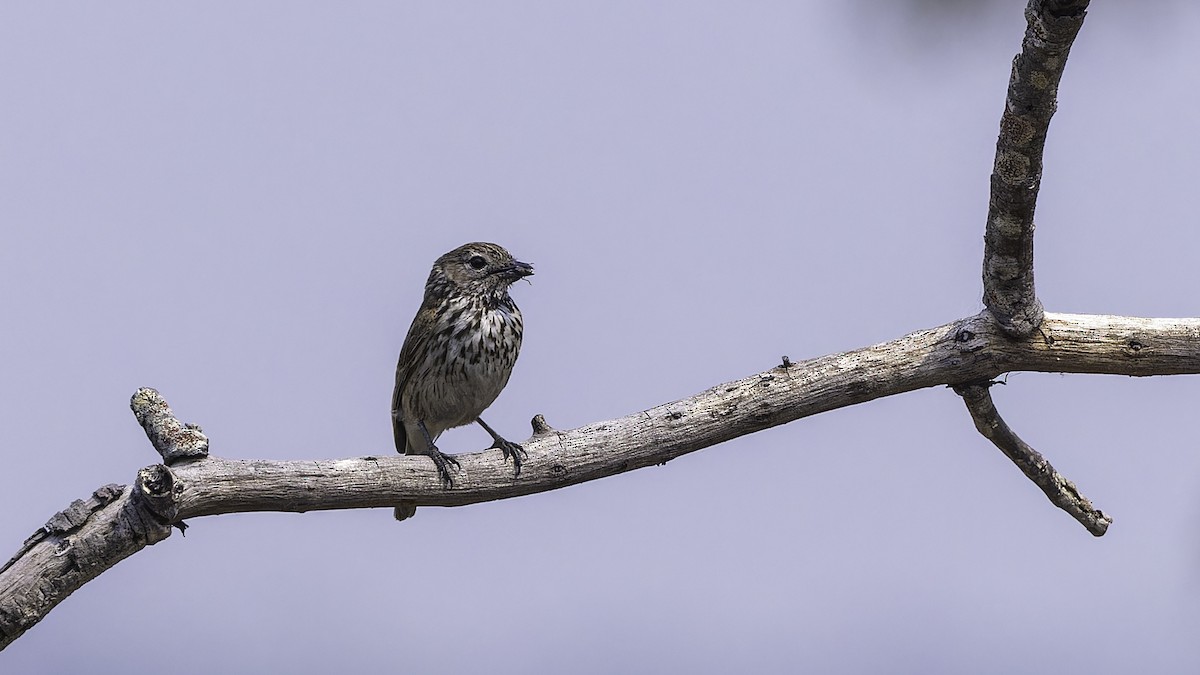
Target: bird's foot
column 513, row 450
column 443, row 463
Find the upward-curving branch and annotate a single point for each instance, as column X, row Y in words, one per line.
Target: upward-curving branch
column 1008, row 289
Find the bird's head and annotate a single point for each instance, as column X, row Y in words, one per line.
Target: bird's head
column 477, row 268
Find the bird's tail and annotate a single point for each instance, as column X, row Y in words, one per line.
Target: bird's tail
column 405, row 511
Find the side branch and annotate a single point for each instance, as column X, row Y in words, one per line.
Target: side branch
column 1061, row 492
column 170, row 437
column 1008, row 289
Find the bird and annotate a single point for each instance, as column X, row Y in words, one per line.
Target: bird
column 458, row 355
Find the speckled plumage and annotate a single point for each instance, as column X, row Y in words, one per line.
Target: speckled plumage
column 458, row 354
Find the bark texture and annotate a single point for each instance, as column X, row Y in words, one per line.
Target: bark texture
column 965, row 351
column 1008, row 289
column 71, row 549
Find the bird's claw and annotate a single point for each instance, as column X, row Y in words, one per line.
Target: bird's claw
column 513, row 450
column 443, row 462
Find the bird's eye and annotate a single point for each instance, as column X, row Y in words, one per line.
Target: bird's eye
column 477, row 262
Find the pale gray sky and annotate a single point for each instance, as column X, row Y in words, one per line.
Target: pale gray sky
column 238, row 203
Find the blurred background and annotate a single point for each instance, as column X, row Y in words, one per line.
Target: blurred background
column 238, row 204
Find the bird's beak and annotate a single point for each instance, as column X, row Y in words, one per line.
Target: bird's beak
column 517, row 270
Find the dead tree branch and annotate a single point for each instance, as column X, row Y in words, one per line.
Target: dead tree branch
column 1008, row 289
column 93, row 535
column 74, row 547
column 1061, row 492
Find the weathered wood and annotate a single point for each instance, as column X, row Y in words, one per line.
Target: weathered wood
column 73, row 548
column 171, row 438
column 969, row 350
column 92, row 536
column 1008, row 289
column 1060, row 491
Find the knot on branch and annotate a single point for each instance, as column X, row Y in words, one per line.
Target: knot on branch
column 976, row 392
column 157, row 492
column 173, row 439
column 1017, row 320
column 540, row 425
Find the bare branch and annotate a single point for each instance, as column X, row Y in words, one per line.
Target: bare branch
column 73, row 548
column 972, row 349
column 1008, row 289
column 1062, row 492
column 92, row 536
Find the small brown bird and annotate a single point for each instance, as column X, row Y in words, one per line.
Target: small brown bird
column 458, row 355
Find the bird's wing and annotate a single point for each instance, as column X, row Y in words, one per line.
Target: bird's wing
column 398, row 431
column 415, row 346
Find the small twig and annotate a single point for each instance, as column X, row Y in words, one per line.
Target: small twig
column 1061, row 492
